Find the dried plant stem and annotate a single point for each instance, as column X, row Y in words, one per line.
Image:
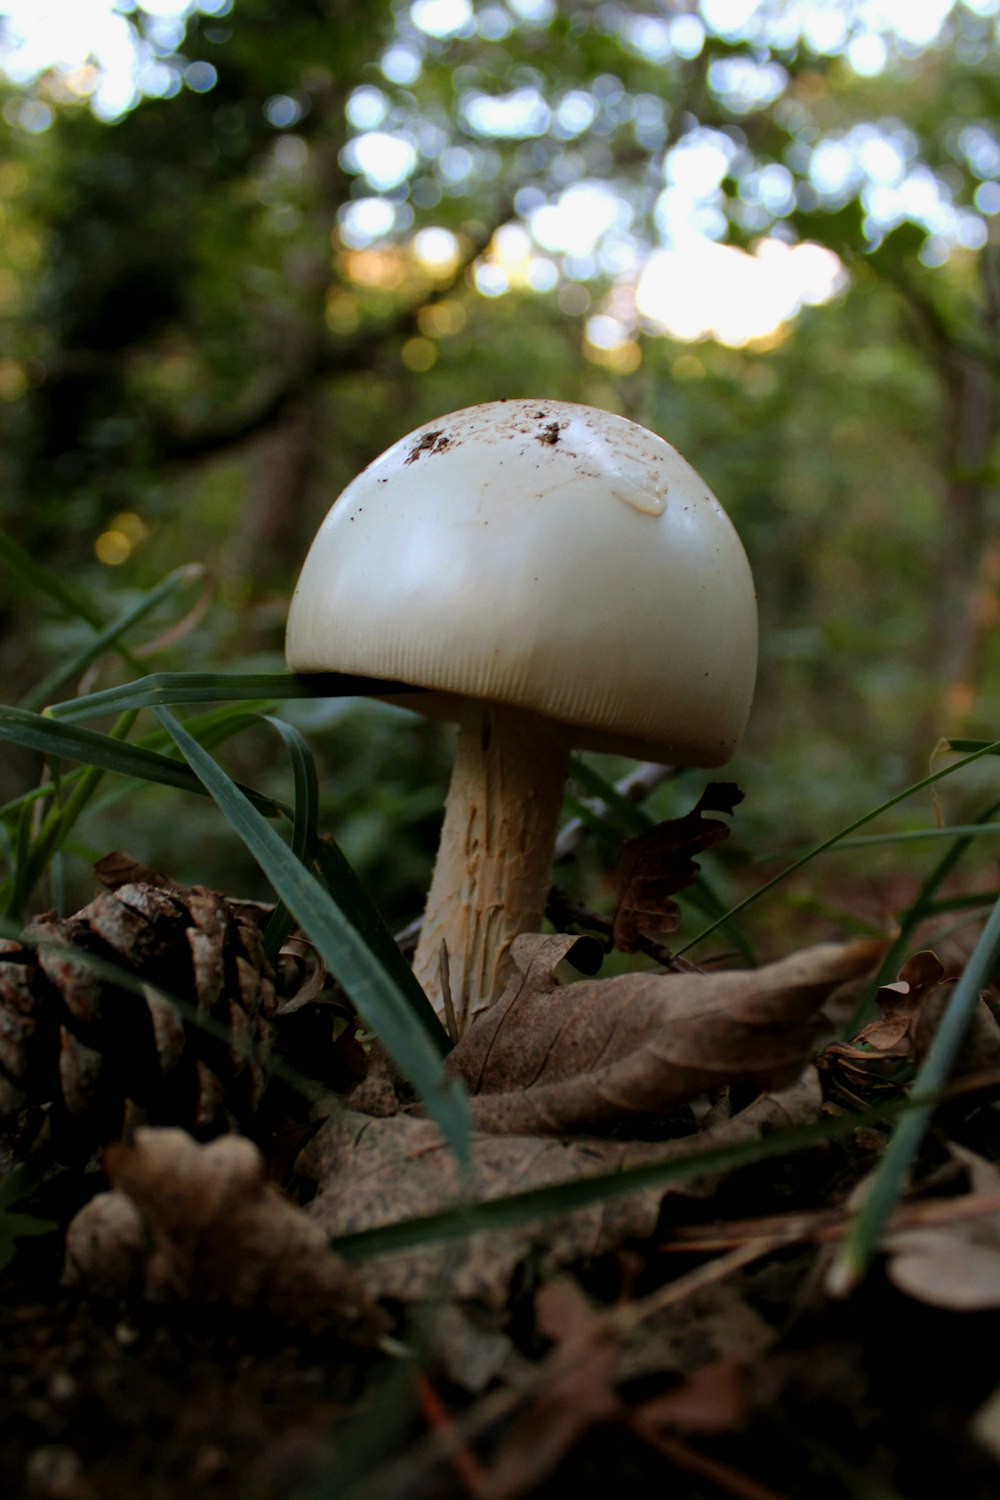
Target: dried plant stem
column 495, row 857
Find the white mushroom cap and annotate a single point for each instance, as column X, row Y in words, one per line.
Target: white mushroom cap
column 544, row 555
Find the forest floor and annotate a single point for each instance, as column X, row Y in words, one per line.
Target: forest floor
column 184, row 1330
column 728, row 1371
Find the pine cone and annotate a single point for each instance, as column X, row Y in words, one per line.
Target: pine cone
column 82, row 1058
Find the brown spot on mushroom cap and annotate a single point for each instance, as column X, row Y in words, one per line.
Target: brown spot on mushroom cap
column 437, row 441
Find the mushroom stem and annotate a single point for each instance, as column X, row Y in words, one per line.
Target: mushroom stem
column 495, row 857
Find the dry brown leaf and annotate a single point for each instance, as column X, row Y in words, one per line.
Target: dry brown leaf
column 956, row 1266
column 550, row 1059
column 892, row 1033
column 370, row 1172
column 213, row 1230
column 980, row 1049
column 660, row 862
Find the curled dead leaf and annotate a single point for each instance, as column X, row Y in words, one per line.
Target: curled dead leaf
column 550, row 1059
column 657, row 864
column 891, row 1034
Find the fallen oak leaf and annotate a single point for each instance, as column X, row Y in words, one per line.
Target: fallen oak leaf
column 550, row 1059
column 655, row 865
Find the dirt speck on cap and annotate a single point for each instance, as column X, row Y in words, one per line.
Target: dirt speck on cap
column 550, row 434
column 437, row 441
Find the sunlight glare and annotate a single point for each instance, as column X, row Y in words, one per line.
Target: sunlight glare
column 701, row 289
column 582, row 215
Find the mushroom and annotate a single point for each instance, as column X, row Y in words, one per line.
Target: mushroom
column 554, row 576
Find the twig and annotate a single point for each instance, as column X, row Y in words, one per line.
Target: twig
column 826, row 1225
column 389, row 1481
column 466, row 1465
column 564, row 913
column 683, row 1456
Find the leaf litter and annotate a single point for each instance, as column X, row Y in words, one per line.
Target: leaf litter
column 530, row 1344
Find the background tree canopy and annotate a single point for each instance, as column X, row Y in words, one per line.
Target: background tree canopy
column 249, row 243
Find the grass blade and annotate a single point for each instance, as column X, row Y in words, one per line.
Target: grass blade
column 865, row 1235
column 580, row 1192
column 209, row 729
column 27, row 570
column 631, row 816
column 991, row 747
column 37, row 732
column 57, row 824
column 362, row 913
column 305, row 832
column 955, row 830
column 345, row 953
column 109, row 636
column 161, row 688
column 918, row 911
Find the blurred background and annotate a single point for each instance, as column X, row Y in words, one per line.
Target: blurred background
column 246, row 244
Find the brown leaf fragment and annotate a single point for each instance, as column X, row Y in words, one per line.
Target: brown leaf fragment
column 892, row 1033
column 957, row 1268
column 657, row 864
column 980, row 1048
column 957, row 1265
column 578, row 1393
column 371, row 1172
column 213, row 1230
column 550, row 1059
